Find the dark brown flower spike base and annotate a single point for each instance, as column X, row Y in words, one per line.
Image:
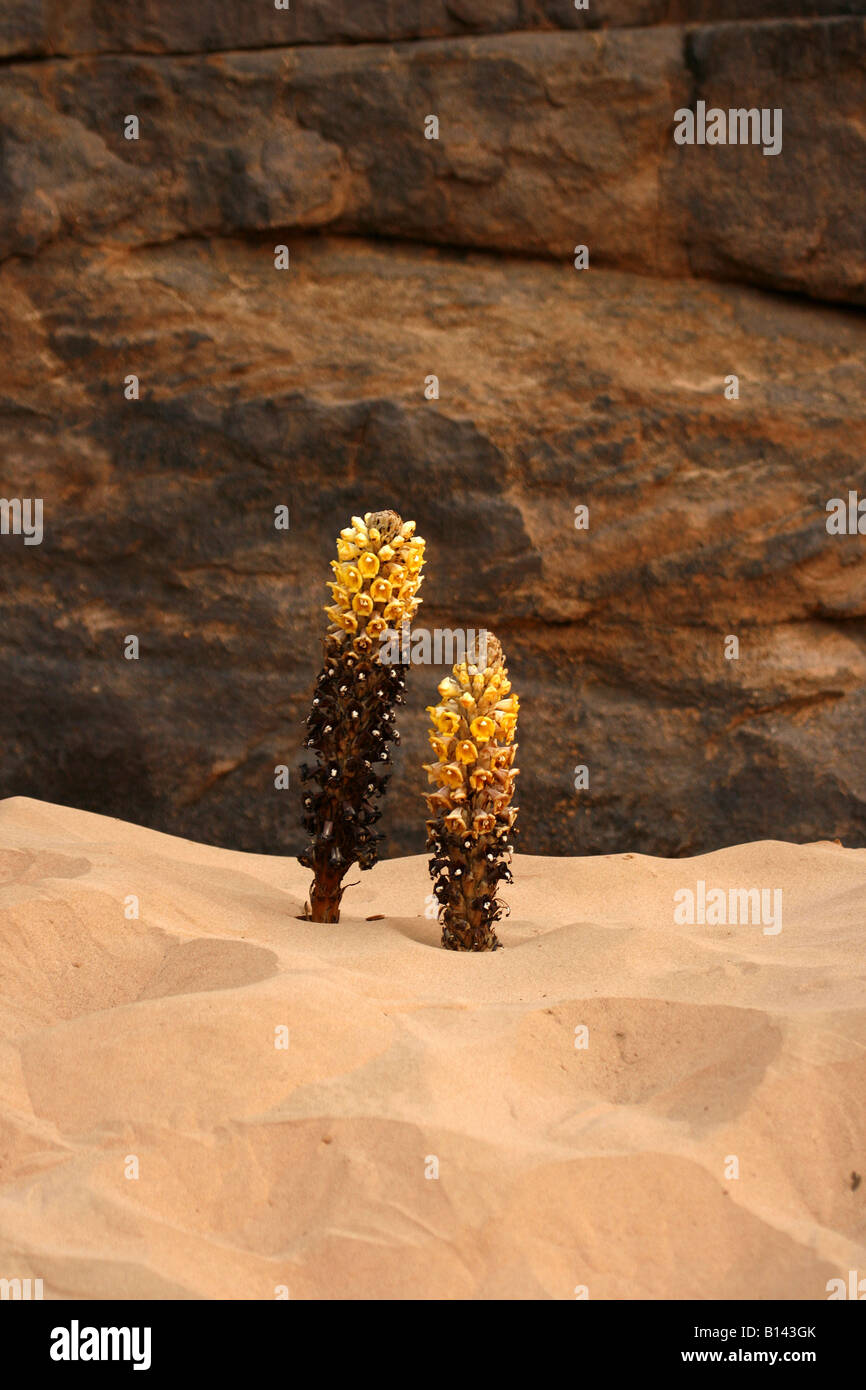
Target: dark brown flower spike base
column 350, row 727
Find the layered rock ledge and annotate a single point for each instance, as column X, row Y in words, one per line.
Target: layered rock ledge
column 547, row 141
column 52, row 27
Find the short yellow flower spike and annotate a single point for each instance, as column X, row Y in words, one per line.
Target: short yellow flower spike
column 472, row 815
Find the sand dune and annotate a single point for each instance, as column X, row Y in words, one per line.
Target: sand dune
column 305, row 1166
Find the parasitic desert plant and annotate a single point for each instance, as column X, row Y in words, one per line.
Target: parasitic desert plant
column 377, row 577
column 472, row 818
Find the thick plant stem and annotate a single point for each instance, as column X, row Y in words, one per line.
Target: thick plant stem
column 326, row 892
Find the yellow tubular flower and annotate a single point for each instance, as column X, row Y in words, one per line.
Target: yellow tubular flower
column 449, row 774
column 380, row 591
column 447, row 721
column 482, row 728
column 346, row 622
column 480, row 778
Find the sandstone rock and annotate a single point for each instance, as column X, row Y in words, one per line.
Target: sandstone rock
column 41, row 27
column 547, row 141
column 707, row 518
column 788, row 220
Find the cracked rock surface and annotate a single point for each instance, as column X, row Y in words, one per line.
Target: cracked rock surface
column 556, row 389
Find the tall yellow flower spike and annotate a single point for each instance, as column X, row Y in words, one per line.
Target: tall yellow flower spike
column 352, row 719
column 472, row 822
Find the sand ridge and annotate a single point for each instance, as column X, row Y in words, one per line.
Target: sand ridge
column 307, row 1167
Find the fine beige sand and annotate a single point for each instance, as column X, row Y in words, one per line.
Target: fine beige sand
column 305, row 1167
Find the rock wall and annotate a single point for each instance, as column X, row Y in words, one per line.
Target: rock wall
column 557, row 388
column 39, row 28
column 546, row 140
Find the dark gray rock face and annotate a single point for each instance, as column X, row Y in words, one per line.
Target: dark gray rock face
column 306, row 388
column 558, row 389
